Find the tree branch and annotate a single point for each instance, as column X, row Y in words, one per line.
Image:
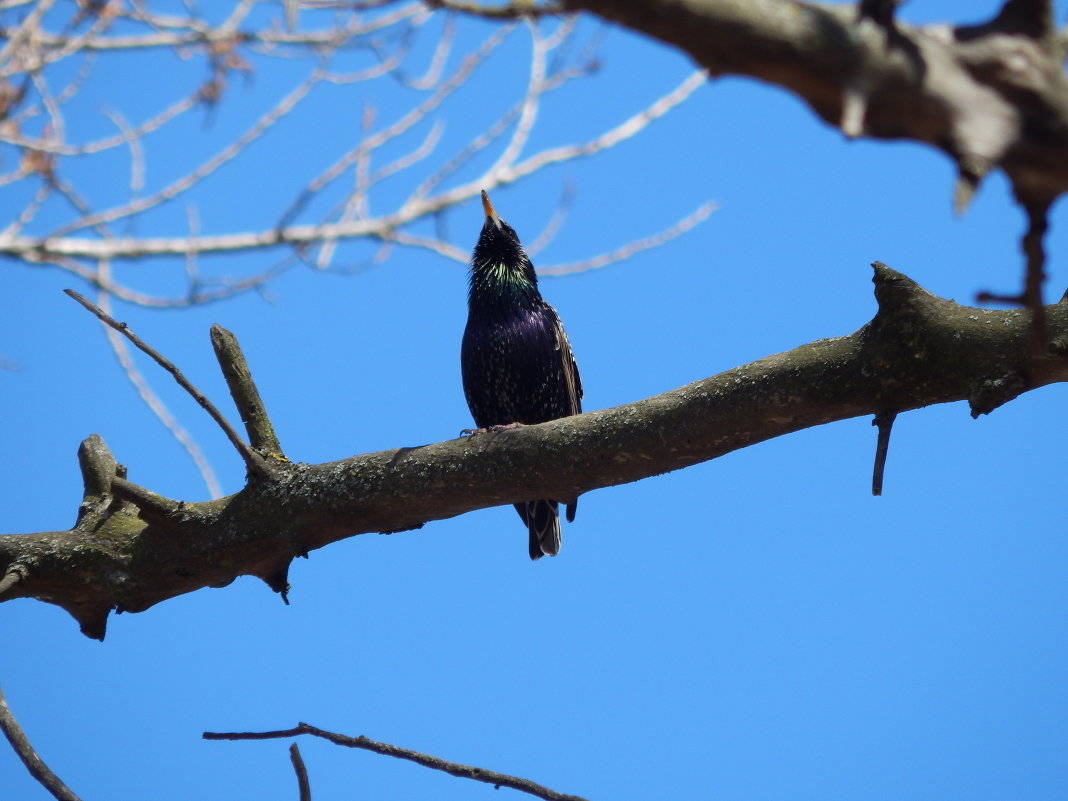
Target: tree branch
column 995, row 92
column 34, row 764
column 303, row 785
column 988, row 96
column 253, row 461
column 143, row 549
column 426, row 760
column 243, row 390
column 885, row 424
column 513, row 10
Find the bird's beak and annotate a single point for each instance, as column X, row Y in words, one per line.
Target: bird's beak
column 488, row 208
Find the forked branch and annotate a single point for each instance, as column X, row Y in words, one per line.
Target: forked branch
column 253, row 461
column 498, row 780
column 135, row 548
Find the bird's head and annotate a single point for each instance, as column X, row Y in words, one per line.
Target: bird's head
column 499, row 254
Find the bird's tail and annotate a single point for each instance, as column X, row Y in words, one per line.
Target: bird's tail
column 543, row 523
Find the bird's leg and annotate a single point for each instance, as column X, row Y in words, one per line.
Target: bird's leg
column 470, row 432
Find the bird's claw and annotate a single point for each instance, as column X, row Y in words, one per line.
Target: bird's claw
column 470, row 432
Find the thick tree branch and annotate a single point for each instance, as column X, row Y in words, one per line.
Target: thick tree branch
column 918, row 350
column 993, row 93
column 989, row 96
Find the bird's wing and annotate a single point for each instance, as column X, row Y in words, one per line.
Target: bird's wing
column 570, row 367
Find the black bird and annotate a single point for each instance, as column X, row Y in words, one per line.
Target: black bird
column 516, row 360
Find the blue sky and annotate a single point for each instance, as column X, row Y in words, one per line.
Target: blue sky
column 757, row 627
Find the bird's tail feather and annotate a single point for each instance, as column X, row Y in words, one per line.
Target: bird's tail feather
column 543, row 524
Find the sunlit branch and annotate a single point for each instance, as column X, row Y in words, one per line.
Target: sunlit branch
column 395, row 129
column 293, row 241
column 153, row 401
column 15, row 735
column 60, row 149
column 183, row 184
column 626, row 130
column 436, row 67
column 184, row 35
column 631, row 248
column 426, row 760
column 556, row 222
column 517, row 9
column 253, row 461
column 137, row 152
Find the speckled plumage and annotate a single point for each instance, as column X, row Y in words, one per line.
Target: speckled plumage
column 516, row 359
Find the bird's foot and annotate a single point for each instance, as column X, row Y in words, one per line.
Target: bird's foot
column 470, row 432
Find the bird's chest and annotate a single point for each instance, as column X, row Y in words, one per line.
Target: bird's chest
column 506, row 365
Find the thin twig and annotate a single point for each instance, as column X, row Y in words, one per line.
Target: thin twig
column 556, row 222
column 34, row 764
column 27, row 29
column 390, row 132
column 253, row 461
column 301, row 771
column 153, row 401
column 518, row 9
column 885, row 423
column 134, row 207
column 426, row 760
column 1033, row 246
column 637, row 246
column 193, row 36
column 90, row 148
column 1035, row 252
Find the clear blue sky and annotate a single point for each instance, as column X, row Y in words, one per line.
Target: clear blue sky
column 756, row 628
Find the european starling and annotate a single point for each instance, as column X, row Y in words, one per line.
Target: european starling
column 516, row 360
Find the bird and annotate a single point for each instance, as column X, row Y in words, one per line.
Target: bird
column 516, row 360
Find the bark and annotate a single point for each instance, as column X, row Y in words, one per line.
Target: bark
column 989, row 96
column 131, row 548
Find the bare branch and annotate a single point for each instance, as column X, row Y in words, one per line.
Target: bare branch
column 253, row 461
column 415, row 208
column 885, row 423
column 153, row 124
column 385, row 749
column 280, row 110
column 556, row 222
column 388, row 35
column 303, row 785
column 16, row 574
column 155, row 403
column 187, row 32
column 392, row 131
column 137, row 153
column 629, row 249
column 25, row 30
column 439, row 246
column 626, row 130
column 989, row 96
column 517, row 9
column 102, row 281
column 918, row 350
column 34, row 764
column 244, row 392
column 1034, row 251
